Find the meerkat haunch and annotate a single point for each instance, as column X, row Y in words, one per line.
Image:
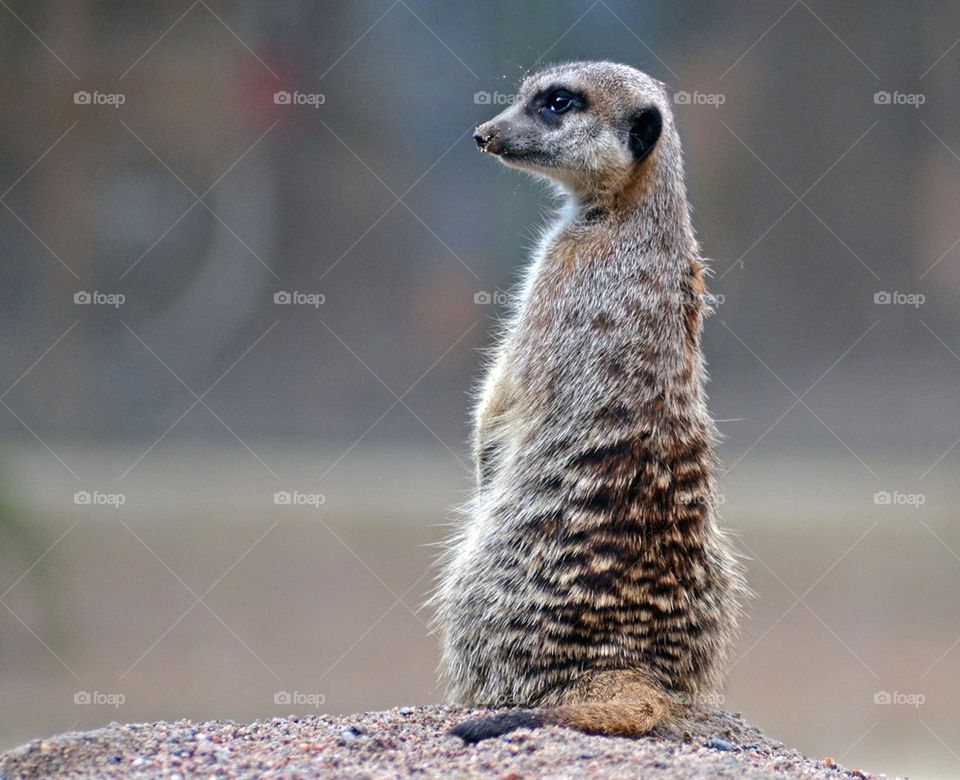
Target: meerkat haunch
column 591, row 585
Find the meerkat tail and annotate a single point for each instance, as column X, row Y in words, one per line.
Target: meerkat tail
column 635, row 710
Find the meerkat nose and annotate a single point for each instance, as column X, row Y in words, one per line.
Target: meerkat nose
column 483, row 135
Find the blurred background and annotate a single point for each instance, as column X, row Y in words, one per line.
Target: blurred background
column 251, row 256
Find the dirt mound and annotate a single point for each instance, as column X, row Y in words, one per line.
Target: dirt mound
column 406, row 742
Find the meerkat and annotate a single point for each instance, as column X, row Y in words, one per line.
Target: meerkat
column 591, row 585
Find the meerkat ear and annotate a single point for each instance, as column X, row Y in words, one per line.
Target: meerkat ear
column 645, row 127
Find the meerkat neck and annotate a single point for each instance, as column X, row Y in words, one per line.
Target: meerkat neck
column 630, row 256
column 650, row 200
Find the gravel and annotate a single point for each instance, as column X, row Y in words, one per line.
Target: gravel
column 408, row 742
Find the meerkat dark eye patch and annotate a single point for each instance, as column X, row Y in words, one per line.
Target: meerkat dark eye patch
column 551, row 103
column 645, row 128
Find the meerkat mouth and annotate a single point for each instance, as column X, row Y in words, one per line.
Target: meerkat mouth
column 525, row 160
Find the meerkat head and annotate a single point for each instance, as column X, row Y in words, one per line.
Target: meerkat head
column 589, row 126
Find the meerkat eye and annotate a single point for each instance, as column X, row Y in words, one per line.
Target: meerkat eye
column 554, row 102
column 559, row 102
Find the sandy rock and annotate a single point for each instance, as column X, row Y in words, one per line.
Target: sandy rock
column 408, row 742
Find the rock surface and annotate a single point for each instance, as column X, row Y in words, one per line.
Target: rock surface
column 406, row 742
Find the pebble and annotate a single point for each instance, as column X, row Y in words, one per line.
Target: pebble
column 720, row 744
column 349, row 734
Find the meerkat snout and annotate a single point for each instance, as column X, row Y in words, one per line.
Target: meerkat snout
column 485, row 136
